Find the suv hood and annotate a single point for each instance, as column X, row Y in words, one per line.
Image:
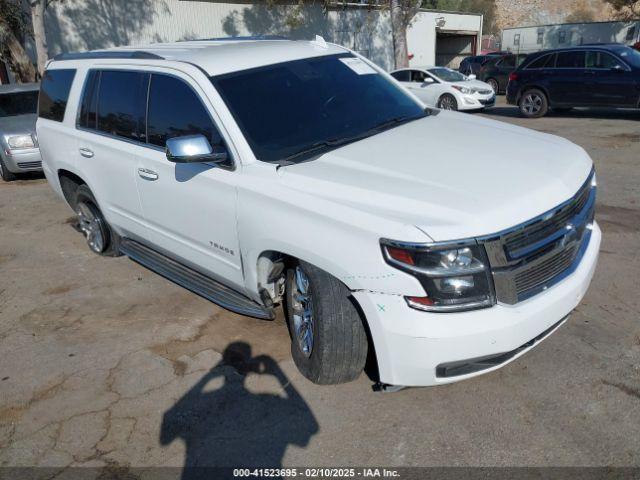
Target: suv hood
column 18, row 124
column 451, row 175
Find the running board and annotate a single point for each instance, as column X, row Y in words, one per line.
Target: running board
column 194, row 281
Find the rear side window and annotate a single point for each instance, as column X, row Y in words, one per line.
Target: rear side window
column 121, row 103
column 508, row 62
column 402, row 75
column 54, row 93
column 88, row 117
column 175, row 110
column 570, row 59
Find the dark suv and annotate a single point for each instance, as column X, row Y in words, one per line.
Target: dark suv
column 587, row 76
column 496, row 70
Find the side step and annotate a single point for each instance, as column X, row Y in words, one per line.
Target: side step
column 194, row 281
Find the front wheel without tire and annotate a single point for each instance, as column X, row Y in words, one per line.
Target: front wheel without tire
column 328, row 338
column 447, row 102
column 101, row 239
column 533, row 104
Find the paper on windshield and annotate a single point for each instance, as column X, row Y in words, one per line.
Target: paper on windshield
column 358, row 66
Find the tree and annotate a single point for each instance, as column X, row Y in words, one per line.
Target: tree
column 626, row 9
column 13, row 29
column 402, row 13
column 38, row 8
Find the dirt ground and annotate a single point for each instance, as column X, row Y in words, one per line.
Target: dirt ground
column 106, row 364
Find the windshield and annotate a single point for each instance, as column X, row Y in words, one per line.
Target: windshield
column 629, row 55
column 447, row 75
column 291, row 111
column 21, row 103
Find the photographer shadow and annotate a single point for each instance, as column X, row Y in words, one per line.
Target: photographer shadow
column 231, row 427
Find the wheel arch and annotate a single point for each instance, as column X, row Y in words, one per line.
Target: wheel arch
column 69, row 183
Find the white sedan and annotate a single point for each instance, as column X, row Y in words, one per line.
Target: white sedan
column 447, row 89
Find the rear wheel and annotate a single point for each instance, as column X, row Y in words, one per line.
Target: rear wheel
column 533, row 104
column 494, row 85
column 101, row 239
column 328, row 338
column 447, row 102
column 6, row 175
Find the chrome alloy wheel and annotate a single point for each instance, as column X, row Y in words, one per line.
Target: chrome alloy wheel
column 90, row 225
column 302, row 312
column 532, row 103
column 447, row 103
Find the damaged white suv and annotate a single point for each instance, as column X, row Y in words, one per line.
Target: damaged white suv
column 262, row 172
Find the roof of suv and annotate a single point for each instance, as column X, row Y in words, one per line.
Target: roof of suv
column 219, row 56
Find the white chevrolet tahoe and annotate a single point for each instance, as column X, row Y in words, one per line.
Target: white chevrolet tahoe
column 265, row 172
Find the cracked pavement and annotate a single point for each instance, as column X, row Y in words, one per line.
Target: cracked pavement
column 106, row 364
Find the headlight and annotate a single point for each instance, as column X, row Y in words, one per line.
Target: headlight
column 19, row 142
column 454, row 277
column 464, row 90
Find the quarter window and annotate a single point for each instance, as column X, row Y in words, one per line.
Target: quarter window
column 175, row 110
column 516, row 39
column 54, row 93
column 121, row 103
column 631, row 32
column 540, row 37
column 545, row 61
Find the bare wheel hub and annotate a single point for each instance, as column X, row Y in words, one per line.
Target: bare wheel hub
column 89, row 225
column 303, row 321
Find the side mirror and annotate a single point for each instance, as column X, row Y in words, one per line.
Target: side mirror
column 194, row 149
column 472, row 76
column 617, row 68
column 428, row 80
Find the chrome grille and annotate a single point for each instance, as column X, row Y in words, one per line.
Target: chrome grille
column 549, row 268
column 537, row 254
column 30, row 164
column 546, row 226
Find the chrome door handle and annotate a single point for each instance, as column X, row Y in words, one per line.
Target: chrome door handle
column 85, row 152
column 147, row 174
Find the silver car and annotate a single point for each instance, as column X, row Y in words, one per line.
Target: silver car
column 19, row 150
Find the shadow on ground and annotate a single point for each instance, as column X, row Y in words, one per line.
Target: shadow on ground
column 229, row 426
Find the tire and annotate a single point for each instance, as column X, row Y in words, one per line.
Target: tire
column 101, row 239
column 6, row 175
column 533, row 103
column 334, row 349
column 494, row 84
column 447, row 102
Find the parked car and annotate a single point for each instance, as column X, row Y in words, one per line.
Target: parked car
column 258, row 173
column 495, row 71
column 18, row 145
column 445, row 88
column 589, row 76
column 471, row 65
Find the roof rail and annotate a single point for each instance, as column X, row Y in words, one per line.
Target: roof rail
column 239, row 38
column 135, row 54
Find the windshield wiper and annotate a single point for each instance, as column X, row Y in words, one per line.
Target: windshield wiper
column 340, row 141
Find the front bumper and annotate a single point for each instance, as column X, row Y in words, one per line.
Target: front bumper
column 18, row 161
column 477, row 101
column 411, row 345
